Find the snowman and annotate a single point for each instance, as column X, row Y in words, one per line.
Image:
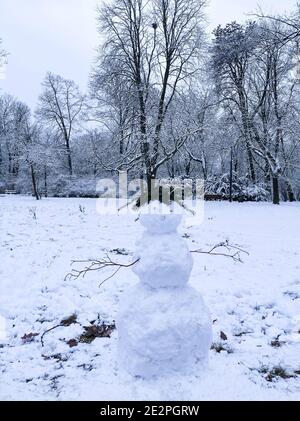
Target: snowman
column 163, row 323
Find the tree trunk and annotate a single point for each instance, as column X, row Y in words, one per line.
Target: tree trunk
column 251, row 164
column 150, row 179
column 69, row 157
column 231, row 176
column 70, row 162
column 45, row 182
column 267, row 174
column 1, row 160
column 9, row 163
column 290, row 193
column 188, row 167
column 121, row 146
column 34, row 185
column 276, row 198
column 247, row 132
column 171, row 168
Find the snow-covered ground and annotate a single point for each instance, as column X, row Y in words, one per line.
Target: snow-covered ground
column 255, row 305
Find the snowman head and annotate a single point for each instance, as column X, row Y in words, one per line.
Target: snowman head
column 159, row 218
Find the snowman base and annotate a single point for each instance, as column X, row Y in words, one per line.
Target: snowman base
column 163, row 331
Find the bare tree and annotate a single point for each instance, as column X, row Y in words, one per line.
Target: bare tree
column 8, row 145
column 26, row 134
column 153, row 48
column 272, row 90
column 232, row 51
column 60, row 106
column 290, row 23
column 252, row 68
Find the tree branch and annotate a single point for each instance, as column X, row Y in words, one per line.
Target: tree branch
column 233, row 252
column 97, row 265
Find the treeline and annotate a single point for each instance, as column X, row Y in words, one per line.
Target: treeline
column 166, row 100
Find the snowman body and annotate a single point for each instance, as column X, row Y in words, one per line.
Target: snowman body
column 164, row 325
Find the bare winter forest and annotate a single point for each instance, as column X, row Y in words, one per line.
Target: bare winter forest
column 166, row 99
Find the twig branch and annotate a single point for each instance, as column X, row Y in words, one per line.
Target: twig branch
column 96, row 265
column 47, row 331
column 234, row 252
column 64, row 323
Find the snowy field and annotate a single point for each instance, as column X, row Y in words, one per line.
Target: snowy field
column 255, row 305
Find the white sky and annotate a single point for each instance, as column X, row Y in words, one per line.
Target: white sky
column 61, row 36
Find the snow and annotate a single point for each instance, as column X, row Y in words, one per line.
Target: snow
column 163, row 324
column 163, row 331
column 255, row 304
column 158, row 251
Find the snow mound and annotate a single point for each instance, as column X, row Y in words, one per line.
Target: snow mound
column 163, row 331
column 165, row 260
column 160, row 224
column 159, row 218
